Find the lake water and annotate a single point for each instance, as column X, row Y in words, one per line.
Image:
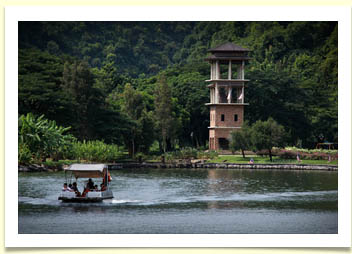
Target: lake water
column 186, row 201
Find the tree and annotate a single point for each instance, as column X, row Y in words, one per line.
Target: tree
column 163, row 111
column 78, row 82
column 268, row 134
column 188, row 87
column 39, row 86
column 141, row 130
column 146, row 125
column 106, row 78
column 274, row 92
column 241, row 139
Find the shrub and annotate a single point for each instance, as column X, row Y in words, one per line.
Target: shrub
column 189, row 153
column 96, row 151
column 318, row 156
column 288, row 155
column 140, row 157
column 306, row 154
column 262, row 153
column 169, row 157
column 207, row 155
column 24, row 154
column 311, row 151
column 41, row 138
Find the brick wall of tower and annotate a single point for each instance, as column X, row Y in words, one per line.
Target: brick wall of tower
column 220, row 133
column 228, row 111
column 215, row 134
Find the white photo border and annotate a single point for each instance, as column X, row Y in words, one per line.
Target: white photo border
column 14, row 14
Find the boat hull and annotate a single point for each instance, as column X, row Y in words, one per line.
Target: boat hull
column 91, row 197
column 82, row 200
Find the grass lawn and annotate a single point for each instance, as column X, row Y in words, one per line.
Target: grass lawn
column 259, row 159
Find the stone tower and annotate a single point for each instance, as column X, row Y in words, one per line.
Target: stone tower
column 227, row 83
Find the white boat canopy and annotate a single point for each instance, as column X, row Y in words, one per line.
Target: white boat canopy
column 88, row 170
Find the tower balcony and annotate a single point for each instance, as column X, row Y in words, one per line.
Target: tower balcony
column 224, row 127
column 228, row 95
column 227, row 104
column 226, row 81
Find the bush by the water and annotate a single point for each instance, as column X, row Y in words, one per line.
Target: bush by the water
column 311, row 151
column 25, row 155
column 314, row 154
column 40, row 138
column 189, row 153
column 95, row 151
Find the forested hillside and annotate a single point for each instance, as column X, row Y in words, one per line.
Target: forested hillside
column 134, row 83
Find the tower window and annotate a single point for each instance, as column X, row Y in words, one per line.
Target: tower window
column 235, row 117
column 222, row 117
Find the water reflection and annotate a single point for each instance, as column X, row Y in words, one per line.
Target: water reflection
column 223, row 183
column 84, row 208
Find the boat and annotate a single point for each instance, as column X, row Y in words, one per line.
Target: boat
column 89, row 193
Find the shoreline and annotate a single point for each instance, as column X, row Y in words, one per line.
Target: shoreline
column 225, row 166
column 128, row 165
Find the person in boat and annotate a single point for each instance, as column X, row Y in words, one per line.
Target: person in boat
column 95, row 187
column 102, row 187
column 86, row 190
column 65, row 188
column 75, row 189
column 74, row 186
column 109, row 178
column 70, row 187
column 90, row 184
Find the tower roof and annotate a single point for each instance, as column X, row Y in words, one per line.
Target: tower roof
column 228, row 47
